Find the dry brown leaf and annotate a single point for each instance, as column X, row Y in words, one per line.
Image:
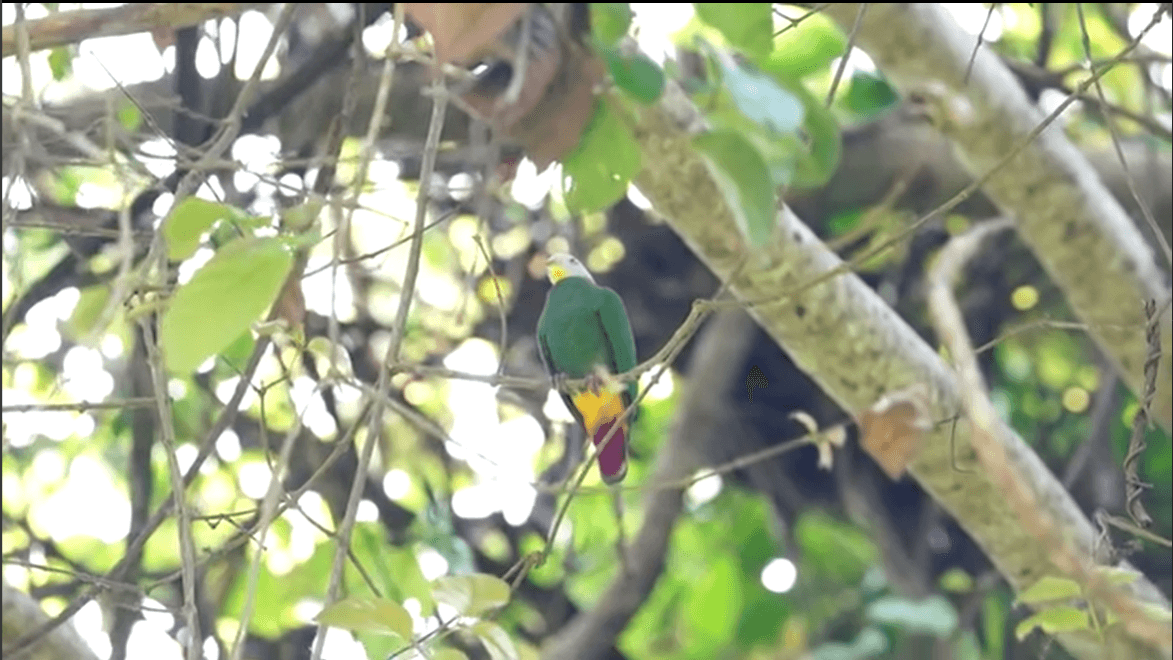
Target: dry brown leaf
column 290, row 304
column 891, row 432
column 826, row 442
column 465, row 31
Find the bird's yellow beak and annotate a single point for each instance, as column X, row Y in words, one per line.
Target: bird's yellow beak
column 555, row 272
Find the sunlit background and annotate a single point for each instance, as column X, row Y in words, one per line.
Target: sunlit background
column 503, row 453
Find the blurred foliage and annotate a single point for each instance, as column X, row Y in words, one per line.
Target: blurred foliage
column 65, row 496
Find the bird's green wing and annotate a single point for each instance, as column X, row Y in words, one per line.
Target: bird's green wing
column 551, row 370
column 617, row 334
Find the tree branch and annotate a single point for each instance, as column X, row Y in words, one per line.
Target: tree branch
column 1077, row 230
column 856, row 348
column 724, row 345
column 22, row 614
column 68, row 27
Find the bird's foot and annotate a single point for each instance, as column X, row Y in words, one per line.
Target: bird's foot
column 594, row 382
column 558, row 382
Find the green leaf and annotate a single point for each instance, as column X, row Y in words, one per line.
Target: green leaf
column 933, row 615
column 637, row 75
column 837, row 548
column 815, row 167
column 610, row 21
column 956, row 581
column 994, row 612
column 748, row 26
column 1116, row 575
column 1054, row 620
column 713, row 606
column 1157, row 612
column 222, row 299
column 868, row 644
column 188, row 221
column 60, row 62
column 868, row 95
column 744, row 180
column 368, row 614
column 497, row 642
column 448, row 653
column 471, row 595
column 597, row 172
column 236, row 354
column 806, row 49
column 86, row 313
column 760, row 98
column 129, row 116
column 1050, row 588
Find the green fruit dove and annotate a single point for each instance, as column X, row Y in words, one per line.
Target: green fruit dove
column 582, row 331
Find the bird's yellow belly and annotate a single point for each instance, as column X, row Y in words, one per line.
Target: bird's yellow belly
column 597, row 408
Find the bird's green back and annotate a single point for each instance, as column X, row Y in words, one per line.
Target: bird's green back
column 582, row 326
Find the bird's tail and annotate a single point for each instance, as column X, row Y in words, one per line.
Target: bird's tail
column 613, row 457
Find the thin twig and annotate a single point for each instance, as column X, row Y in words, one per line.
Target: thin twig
column 80, row 406
column 795, row 22
column 267, row 516
column 964, row 193
column 863, row 7
column 1134, row 486
column 500, row 303
column 374, row 128
column 667, row 355
column 1122, row 524
column 977, row 46
column 431, row 145
column 1144, row 207
column 520, row 59
column 166, row 428
column 986, row 429
column 225, row 420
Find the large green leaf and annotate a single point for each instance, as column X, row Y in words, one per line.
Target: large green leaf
column 1050, row 588
column 713, row 606
column 806, row 49
column 868, row 95
column 761, row 99
column 222, row 299
column 609, row 21
column 835, row 548
column 1054, row 620
column 188, row 221
column 747, row 26
column 597, row 172
column 471, row 595
column 368, row 614
column 933, row 615
column 636, row 74
column 817, row 163
column 744, row 180
column 497, row 642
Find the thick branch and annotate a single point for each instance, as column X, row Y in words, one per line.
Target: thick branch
column 857, row 348
column 592, row 634
column 1078, row 231
column 23, row 614
column 68, row 27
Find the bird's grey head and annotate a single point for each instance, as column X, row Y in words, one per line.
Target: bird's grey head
column 562, row 265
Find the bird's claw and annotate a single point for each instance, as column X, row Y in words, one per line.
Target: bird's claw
column 594, row 382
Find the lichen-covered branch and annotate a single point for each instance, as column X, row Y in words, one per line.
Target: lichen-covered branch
column 857, row 348
column 1062, row 210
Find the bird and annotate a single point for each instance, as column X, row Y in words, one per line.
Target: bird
column 584, row 333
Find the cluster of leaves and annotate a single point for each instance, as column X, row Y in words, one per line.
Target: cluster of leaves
column 767, row 131
column 471, row 598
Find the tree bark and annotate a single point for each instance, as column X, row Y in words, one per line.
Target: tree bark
column 857, row 349
column 1063, row 212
